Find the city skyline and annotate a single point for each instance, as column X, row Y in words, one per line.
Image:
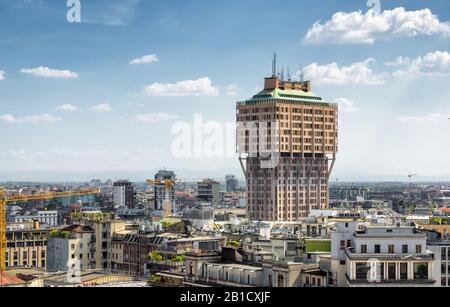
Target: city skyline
column 102, row 96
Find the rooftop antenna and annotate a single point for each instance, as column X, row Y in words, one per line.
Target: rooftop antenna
column 289, row 75
column 282, row 73
column 302, row 74
column 274, row 65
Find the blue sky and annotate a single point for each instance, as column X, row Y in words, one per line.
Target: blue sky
column 73, row 105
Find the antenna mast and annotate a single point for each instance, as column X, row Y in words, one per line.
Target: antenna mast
column 302, row 74
column 274, row 65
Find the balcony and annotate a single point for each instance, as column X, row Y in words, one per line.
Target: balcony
column 352, row 255
column 390, row 282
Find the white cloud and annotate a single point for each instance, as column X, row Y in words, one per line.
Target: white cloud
column 46, row 72
column 105, row 107
column 428, row 118
column 150, row 58
column 346, row 105
column 433, row 64
column 199, row 87
column 154, row 117
column 356, row 73
column 31, row 119
column 232, row 90
column 366, row 28
column 67, row 107
column 2, row 75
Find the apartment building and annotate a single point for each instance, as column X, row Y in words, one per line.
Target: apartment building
column 163, row 192
column 45, row 218
column 441, row 251
column 26, row 246
column 208, row 191
column 232, row 184
column 71, row 248
column 287, row 143
column 104, row 226
column 389, row 256
column 123, row 194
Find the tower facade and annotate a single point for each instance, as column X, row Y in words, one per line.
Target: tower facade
column 123, row 194
column 162, row 192
column 287, row 141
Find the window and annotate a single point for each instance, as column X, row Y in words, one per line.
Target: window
column 391, row 271
column 418, row 249
column 342, row 244
column 403, row 271
column 380, row 272
column 377, row 249
column 361, row 270
column 363, row 249
column 420, row 271
column 405, row 249
column 391, row 249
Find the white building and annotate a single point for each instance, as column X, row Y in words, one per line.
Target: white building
column 389, row 256
column 49, row 218
column 72, row 248
column 341, row 238
column 441, row 251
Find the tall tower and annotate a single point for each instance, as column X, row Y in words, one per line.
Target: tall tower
column 162, row 192
column 123, row 194
column 287, row 141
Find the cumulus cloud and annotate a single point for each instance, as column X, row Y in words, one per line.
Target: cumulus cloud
column 105, row 107
column 433, row 64
column 346, row 105
column 31, row 119
column 427, row 118
column 154, row 117
column 46, row 72
column 356, row 73
column 2, row 75
column 67, row 107
column 199, row 87
column 366, row 28
column 150, row 58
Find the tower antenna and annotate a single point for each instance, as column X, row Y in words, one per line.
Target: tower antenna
column 274, row 65
column 302, row 74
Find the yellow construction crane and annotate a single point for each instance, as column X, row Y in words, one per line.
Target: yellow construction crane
column 167, row 183
column 5, row 199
